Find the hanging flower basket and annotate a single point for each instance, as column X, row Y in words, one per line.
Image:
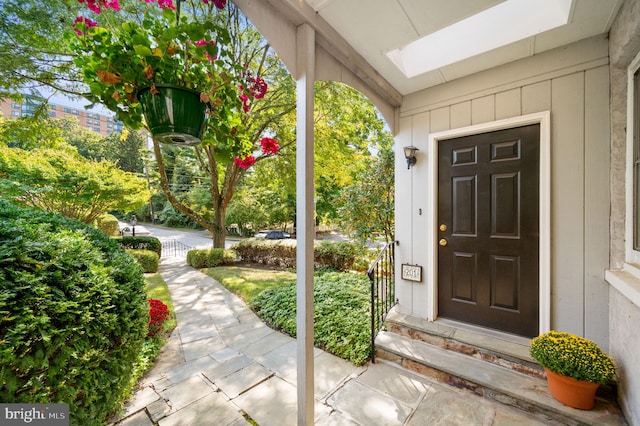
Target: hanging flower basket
column 175, row 115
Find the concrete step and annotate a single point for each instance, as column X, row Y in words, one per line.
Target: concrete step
column 502, row 349
column 491, row 367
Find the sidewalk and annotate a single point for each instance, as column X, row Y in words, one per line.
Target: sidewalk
column 222, row 364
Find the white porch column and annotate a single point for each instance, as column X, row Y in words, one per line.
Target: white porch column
column 305, row 224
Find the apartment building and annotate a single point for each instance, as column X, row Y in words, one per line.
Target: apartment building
column 99, row 122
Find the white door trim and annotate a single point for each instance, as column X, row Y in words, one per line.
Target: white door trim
column 542, row 118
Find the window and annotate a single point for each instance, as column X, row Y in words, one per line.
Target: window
column 97, row 116
column 16, row 106
column 15, row 113
column 67, row 110
column 75, row 112
column 96, row 129
column 632, row 223
column 52, row 106
column 29, row 109
column 52, row 113
column 89, row 115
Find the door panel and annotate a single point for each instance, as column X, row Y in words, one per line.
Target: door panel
column 488, row 198
column 464, row 272
column 464, row 205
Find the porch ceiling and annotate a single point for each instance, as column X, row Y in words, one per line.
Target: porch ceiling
column 372, row 28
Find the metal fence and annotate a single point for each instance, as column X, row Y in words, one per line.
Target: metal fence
column 174, row 248
column 383, row 290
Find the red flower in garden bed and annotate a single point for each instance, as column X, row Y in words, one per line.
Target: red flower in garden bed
column 158, row 314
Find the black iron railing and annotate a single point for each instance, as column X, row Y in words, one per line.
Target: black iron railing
column 383, row 290
column 173, row 248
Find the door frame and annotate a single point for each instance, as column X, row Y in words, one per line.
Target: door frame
column 542, row 118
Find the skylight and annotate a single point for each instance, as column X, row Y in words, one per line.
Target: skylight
column 498, row 26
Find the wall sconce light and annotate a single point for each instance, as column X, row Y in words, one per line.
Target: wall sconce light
column 410, row 155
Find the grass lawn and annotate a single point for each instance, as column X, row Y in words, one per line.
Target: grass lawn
column 248, row 282
column 157, row 289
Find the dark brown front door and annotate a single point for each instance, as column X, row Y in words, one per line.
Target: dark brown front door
column 488, row 229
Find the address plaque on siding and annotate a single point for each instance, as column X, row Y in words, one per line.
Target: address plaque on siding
column 411, row 272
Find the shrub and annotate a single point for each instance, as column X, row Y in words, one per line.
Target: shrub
column 365, row 258
column 215, row 257
column 269, row 252
column 230, row 256
column 141, row 243
column 341, row 313
column 336, row 255
column 146, row 258
column 108, row 224
column 209, row 258
column 73, row 314
column 197, row 258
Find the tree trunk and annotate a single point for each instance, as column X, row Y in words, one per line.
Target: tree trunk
column 219, row 230
column 164, row 184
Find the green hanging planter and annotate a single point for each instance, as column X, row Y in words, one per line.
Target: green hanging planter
column 175, row 115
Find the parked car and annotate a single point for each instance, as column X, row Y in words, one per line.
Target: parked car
column 126, row 229
column 273, row 235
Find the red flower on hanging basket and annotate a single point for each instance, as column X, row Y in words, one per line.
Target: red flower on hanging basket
column 220, row 4
column 258, row 87
column 269, row 146
column 245, row 162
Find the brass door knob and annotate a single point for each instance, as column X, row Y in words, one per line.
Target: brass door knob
column 443, row 227
column 442, row 242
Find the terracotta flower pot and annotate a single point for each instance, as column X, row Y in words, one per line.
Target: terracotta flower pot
column 571, row 392
column 175, row 115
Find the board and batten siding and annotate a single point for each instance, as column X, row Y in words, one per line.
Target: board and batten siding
column 573, row 84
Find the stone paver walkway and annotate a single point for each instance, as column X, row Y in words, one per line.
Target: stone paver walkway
column 223, row 365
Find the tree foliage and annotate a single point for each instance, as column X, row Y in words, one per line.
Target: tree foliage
column 61, row 181
column 126, row 149
column 32, row 56
column 200, row 183
column 366, row 208
column 39, row 131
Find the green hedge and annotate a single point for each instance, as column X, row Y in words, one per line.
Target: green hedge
column 146, row 258
column 209, row 258
column 337, row 255
column 141, row 243
column 108, row 224
column 270, row 252
column 73, row 314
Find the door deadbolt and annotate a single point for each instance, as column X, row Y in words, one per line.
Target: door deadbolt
column 443, row 227
column 442, row 242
